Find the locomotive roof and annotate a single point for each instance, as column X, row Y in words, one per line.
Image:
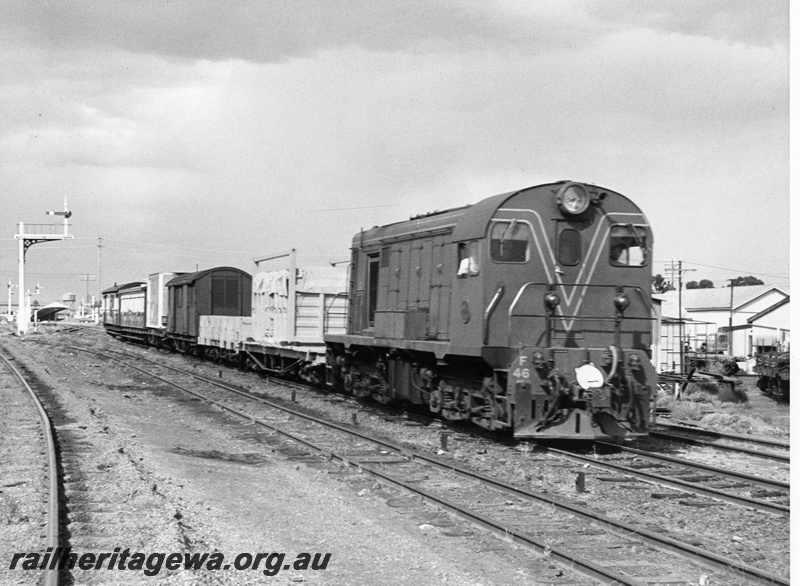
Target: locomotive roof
column 465, row 223
column 189, row 278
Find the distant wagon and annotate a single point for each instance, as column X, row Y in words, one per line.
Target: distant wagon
column 224, row 291
column 124, row 308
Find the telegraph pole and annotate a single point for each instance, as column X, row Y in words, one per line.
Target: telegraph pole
column 36, row 233
column 730, row 321
column 87, row 277
column 99, row 264
column 675, row 267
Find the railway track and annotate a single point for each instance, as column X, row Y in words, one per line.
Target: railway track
column 754, row 446
column 25, row 420
column 91, row 492
column 693, row 478
column 594, row 544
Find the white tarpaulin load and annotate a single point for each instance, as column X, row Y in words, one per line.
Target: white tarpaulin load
column 320, row 305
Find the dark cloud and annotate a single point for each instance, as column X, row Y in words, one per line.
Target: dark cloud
column 744, row 21
column 256, row 31
column 273, row 31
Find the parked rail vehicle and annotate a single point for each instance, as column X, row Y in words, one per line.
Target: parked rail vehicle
column 772, row 369
column 529, row 311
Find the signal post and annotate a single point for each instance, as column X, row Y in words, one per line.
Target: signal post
column 36, row 233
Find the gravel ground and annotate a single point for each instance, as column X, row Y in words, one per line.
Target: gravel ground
column 178, row 476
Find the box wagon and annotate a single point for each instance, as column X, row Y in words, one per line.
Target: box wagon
column 221, row 291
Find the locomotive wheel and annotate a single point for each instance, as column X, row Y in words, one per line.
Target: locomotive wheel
column 347, row 383
column 435, row 400
column 360, row 387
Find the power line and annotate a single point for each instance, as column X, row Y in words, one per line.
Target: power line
column 392, row 205
column 733, row 270
column 737, row 270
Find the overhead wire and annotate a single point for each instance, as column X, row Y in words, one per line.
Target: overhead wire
column 736, row 270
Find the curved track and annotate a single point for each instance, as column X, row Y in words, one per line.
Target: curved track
column 50, row 576
column 518, row 515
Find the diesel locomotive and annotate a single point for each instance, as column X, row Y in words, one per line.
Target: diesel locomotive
column 527, row 312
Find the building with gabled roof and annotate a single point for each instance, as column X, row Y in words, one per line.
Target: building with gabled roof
column 769, row 329
column 758, row 314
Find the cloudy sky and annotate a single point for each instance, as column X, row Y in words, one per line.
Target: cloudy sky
column 193, row 133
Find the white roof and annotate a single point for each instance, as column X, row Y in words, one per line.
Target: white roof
column 718, row 298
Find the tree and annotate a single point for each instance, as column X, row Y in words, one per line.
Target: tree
column 692, row 285
column 706, row 284
column 661, row 285
column 746, row 281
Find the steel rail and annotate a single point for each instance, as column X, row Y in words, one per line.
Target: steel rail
column 51, row 575
column 705, row 557
column 774, row 484
column 583, row 566
column 676, row 483
column 698, row 442
column 765, row 441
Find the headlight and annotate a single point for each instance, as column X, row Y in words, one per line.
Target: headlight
column 573, row 198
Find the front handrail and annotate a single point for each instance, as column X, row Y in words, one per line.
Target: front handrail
column 550, row 314
column 553, row 285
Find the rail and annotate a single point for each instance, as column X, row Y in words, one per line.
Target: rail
column 51, row 576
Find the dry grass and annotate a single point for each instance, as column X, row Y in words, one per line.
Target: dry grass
column 688, row 411
column 717, row 407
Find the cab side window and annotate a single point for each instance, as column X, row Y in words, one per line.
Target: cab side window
column 510, row 241
column 628, row 246
column 468, row 259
